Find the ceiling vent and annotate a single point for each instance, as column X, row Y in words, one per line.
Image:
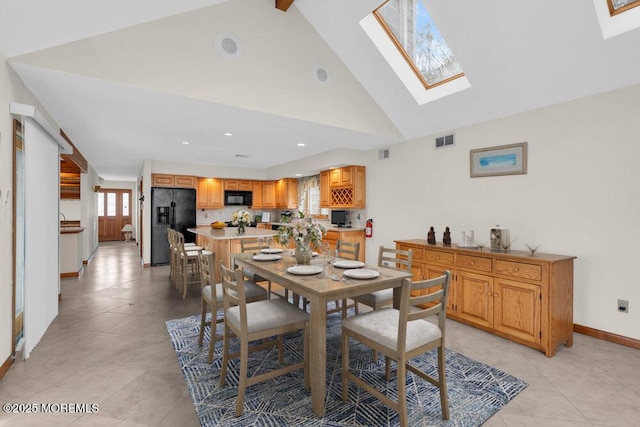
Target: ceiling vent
column 444, row 141
column 242, row 156
column 383, row 154
column 321, row 75
column 228, row 45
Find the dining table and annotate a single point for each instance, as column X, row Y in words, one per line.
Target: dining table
column 320, row 282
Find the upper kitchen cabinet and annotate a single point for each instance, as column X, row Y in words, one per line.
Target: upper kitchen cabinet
column 238, row 184
column 268, row 194
column 343, row 187
column 287, row 193
column 173, row 181
column 324, row 189
column 257, row 194
column 210, row 193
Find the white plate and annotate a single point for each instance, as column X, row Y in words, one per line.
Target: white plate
column 362, row 274
column 305, row 270
column 266, row 257
column 271, row 251
column 345, row 263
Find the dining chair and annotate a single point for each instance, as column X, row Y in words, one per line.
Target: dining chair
column 348, row 251
column 260, row 320
column 187, row 258
column 391, row 258
column 401, row 335
column 212, row 299
column 252, row 245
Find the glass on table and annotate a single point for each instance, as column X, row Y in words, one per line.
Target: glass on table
column 261, row 243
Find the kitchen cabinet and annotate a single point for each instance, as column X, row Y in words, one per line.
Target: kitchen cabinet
column 238, row 184
column 351, row 236
column 324, row 189
column 287, row 193
column 173, row 181
column 256, row 188
column 210, row 193
column 511, row 294
column 269, row 194
column 343, row 187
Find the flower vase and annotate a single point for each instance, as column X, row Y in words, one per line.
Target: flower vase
column 240, row 228
column 303, row 253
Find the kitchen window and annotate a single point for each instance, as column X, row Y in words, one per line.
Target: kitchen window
column 309, row 197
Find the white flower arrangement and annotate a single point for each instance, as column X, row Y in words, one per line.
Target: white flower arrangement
column 302, row 230
column 241, row 217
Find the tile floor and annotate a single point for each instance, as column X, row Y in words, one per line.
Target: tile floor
column 109, row 346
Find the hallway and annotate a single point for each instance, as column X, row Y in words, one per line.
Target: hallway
column 108, row 345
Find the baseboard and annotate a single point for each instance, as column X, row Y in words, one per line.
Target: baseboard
column 5, row 366
column 72, row 274
column 147, row 264
column 607, row 336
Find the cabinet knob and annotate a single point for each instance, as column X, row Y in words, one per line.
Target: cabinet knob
column 516, row 269
column 473, row 263
column 437, row 256
column 495, row 295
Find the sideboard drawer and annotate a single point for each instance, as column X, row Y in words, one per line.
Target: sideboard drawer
column 417, row 252
column 519, row 269
column 438, row 257
column 475, row 263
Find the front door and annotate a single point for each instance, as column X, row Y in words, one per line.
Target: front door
column 114, row 212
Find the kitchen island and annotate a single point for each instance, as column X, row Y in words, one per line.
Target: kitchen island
column 226, row 241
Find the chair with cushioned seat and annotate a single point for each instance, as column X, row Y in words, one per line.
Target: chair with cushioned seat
column 212, row 299
column 260, row 320
column 187, row 258
column 401, row 335
column 252, row 245
column 391, row 258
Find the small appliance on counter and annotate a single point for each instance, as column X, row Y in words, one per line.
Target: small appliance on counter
column 285, row 216
column 499, row 237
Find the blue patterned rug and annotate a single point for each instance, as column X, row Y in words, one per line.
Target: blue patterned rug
column 476, row 391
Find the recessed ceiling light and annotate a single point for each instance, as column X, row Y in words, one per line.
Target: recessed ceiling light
column 228, row 134
column 298, row 174
column 186, row 142
column 300, row 144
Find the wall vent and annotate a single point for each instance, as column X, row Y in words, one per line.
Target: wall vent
column 383, row 154
column 444, row 141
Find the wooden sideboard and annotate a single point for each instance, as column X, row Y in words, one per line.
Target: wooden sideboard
column 527, row 299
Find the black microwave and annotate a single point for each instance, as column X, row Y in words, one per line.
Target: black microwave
column 238, row 198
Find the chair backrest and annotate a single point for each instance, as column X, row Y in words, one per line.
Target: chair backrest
column 233, row 290
column 207, row 266
column 411, row 305
column 348, row 250
column 249, row 245
column 395, row 258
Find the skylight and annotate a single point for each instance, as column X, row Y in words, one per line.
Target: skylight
column 619, row 6
column 414, row 33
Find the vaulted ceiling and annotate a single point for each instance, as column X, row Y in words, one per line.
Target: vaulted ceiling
column 133, row 80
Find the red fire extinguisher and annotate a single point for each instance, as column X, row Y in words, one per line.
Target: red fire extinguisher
column 368, row 229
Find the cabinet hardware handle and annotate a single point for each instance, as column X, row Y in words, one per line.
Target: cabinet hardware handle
column 495, row 295
column 438, row 257
column 516, row 269
column 473, row 263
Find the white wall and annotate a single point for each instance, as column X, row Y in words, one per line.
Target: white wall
column 89, row 213
column 580, row 196
column 42, row 272
column 11, row 90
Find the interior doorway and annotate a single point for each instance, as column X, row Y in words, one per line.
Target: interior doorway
column 114, row 212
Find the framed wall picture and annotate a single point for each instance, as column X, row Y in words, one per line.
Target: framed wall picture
column 501, row 160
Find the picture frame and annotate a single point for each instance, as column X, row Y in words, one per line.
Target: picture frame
column 500, row 160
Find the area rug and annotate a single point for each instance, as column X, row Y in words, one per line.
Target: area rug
column 476, row 391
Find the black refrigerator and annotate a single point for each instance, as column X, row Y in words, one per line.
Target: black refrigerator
column 170, row 208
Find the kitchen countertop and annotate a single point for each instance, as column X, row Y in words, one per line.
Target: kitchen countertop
column 329, row 228
column 229, row 233
column 71, row 230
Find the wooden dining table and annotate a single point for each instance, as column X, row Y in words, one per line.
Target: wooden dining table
column 328, row 285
